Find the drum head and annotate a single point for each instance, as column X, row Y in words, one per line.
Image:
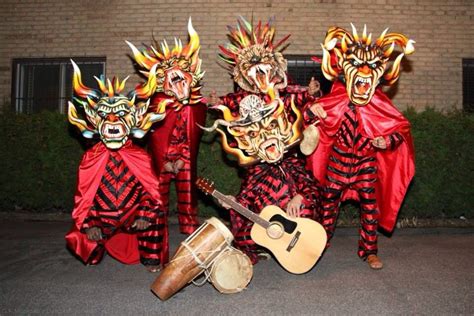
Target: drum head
column 231, row 272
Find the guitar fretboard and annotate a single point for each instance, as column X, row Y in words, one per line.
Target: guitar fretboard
column 242, row 210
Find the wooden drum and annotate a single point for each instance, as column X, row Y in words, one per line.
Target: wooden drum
column 193, row 256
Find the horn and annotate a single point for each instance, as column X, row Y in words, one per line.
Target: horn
column 401, row 40
column 392, row 75
column 226, row 112
column 215, row 125
column 75, row 120
column 143, row 59
column 147, row 90
column 79, row 88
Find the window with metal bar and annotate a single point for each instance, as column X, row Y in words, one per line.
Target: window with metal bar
column 468, row 84
column 45, row 84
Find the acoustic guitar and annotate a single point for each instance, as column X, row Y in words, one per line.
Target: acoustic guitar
column 297, row 243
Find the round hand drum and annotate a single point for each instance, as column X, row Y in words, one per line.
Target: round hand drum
column 193, row 257
column 231, row 272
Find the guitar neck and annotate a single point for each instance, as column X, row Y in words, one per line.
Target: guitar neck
column 241, row 210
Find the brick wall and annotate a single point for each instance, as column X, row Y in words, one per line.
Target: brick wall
column 52, row 28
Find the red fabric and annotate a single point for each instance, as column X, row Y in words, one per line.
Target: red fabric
column 184, row 144
column 123, row 247
column 378, row 118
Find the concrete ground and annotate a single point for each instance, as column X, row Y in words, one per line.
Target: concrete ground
column 427, row 272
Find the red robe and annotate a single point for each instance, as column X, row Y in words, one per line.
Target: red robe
column 122, row 246
column 378, row 118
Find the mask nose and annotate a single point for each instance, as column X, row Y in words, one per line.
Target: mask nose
column 365, row 69
column 112, row 117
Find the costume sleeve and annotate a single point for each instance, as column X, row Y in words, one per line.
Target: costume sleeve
column 179, row 145
column 148, row 209
column 92, row 220
column 309, row 117
column 393, row 140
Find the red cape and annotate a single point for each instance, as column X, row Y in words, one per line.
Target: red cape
column 378, row 118
column 123, row 247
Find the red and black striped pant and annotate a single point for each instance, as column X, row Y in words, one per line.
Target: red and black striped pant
column 358, row 172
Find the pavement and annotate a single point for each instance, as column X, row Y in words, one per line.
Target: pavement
column 427, row 272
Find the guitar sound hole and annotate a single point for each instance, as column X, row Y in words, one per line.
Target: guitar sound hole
column 275, row 230
column 287, row 224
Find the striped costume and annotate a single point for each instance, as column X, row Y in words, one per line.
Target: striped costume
column 120, row 200
column 272, row 184
column 178, row 137
column 115, row 188
column 351, row 168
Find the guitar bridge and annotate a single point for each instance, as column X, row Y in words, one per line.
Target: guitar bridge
column 293, row 241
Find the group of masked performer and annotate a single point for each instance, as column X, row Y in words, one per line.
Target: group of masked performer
column 301, row 151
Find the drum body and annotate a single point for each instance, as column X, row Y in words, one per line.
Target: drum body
column 231, row 272
column 193, row 256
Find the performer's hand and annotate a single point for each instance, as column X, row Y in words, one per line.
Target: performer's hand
column 224, row 204
column 94, row 233
column 169, row 167
column 313, row 87
column 318, row 110
column 213, row 98
column 379, row 142
column 294, row 206
column 141, row 224
column 178, row 165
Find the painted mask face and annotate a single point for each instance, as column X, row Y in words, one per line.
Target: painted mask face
column 265, row 139
column 363, row 62
column 262, row 131
column 176, row 79
column 257, row 67
column 252, row 59
column 178, row 69
column 111, row 115
column 363, row 68
column 115, row 119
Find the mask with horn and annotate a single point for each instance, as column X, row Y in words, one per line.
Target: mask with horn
column 252, row 58
column 262, row 130
column 111, row 115
column 362, row 60
column 178, row 70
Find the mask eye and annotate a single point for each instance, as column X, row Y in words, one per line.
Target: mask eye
column 102, row 114
column 183, row 64
column 253, row 134
column 121, row 113
column 373, row 65
column 272, row 126
column 355, row 63
column 160, row 72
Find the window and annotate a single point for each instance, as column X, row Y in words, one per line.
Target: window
column 45, row 84
column 468, row 85
column 301, row 68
